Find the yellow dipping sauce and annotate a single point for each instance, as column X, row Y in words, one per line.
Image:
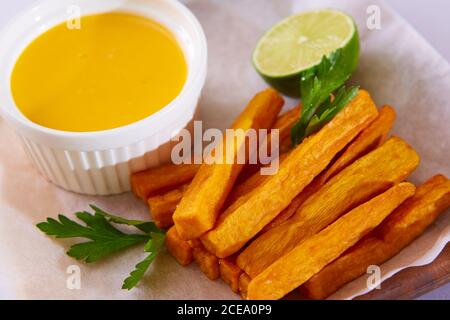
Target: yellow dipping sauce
column 117, row 69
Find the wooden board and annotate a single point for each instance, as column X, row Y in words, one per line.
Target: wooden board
column 414, row 282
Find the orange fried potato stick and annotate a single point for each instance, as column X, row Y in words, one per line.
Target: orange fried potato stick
column 201, row 204
column 365, row 178
column 208, row 263
column 404, row 225
column 244, row 281
column 308, row 258
column 230, row 273
column 155, row 180
column 178, row 248
column 163, row 206
column 369, row 139
column 264, row 203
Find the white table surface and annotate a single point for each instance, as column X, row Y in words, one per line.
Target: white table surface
column 429, row 17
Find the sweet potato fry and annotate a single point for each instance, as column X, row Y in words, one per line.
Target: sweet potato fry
column 230, row 273
column 369, row 139
column 165, row 177
column 431, row 200
column 304, row 163
column 178, row 248
column 285, row 146
column 208, row 263
column 163, row 206
column 248, row 185
column 309, row 257
column 161, row 179
column 404, row 225
column 195, row 243
column 287, row 213
column 244, row 281
column 369, row 176
column 200, row 206
column 284, row 124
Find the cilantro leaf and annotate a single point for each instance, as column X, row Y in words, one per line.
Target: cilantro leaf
column 104, row 238
column 316, row 87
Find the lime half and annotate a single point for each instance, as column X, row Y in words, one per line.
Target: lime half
column 299, row 42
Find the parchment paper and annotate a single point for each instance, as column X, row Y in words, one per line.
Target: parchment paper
column 397, row 66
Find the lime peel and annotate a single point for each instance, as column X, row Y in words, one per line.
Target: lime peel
column 298, row 43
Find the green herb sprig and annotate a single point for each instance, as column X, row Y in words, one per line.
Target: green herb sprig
column 318, row 87
column 105, row 239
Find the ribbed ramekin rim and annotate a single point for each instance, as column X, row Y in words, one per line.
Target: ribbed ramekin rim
column 194, row 83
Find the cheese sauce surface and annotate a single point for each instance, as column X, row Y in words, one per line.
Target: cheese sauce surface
column 116, row 69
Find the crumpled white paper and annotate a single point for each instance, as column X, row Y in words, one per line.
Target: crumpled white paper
column 397, row 67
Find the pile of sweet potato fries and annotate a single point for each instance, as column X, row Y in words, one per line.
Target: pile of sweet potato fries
column 338, row 204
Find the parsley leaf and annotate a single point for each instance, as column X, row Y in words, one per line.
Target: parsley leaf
column 105, row 239
column 145, row 226
column 153, row 246
column 317, row 87
column 331, row 108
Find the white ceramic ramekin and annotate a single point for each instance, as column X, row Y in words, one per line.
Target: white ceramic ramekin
column 100, row 163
